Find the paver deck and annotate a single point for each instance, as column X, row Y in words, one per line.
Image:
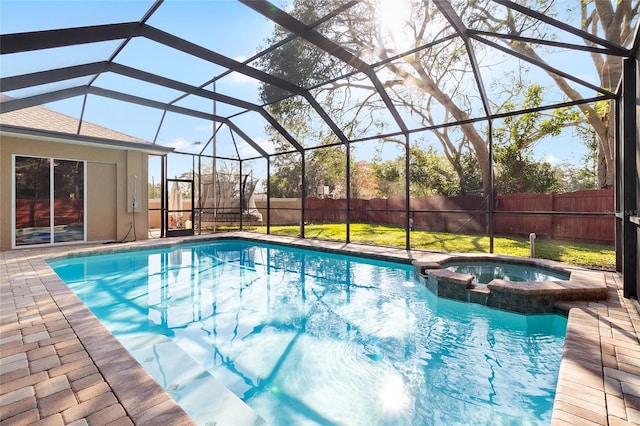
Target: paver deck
column 59, row 365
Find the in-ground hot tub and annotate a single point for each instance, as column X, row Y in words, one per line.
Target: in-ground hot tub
column 510, row 283
column 487, row 271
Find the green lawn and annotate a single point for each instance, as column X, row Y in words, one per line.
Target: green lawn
column 586, row 255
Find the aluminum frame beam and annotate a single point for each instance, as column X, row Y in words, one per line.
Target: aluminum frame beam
column 287, row 21
column 176, row 109
column 456, row 22
column 66, row 73
column 621, row 51
column 38, row 40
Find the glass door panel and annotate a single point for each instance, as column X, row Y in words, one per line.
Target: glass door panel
column 37, row 215
column 32, row 200
column 68, row 206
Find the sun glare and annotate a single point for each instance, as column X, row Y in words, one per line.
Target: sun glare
column 392, row 17
column 393, row 394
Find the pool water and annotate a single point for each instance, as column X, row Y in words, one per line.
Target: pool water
column 305, row 337
column 486, row 271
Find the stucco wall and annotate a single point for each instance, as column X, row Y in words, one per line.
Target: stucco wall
column 284, row 211
column 110, row 186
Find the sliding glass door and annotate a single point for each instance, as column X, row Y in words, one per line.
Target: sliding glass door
column 49, row 195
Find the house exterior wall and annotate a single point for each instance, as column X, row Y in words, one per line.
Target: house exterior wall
column 110, row 186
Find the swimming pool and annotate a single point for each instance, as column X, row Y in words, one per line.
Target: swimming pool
column 315, row 338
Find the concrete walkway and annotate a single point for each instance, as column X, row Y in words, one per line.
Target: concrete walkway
column 59, row 365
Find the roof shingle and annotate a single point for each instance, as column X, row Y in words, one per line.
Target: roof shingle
column 42, row 118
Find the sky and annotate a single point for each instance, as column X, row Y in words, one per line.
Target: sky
column 212, row 23
column 225, row 26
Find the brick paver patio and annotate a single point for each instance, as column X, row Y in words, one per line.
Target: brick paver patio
column 59, row 365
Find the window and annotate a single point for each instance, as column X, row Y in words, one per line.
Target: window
column 48, row 200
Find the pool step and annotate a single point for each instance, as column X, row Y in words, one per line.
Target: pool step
column 205, row 399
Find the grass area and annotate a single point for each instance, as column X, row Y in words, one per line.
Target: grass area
column 595, row 256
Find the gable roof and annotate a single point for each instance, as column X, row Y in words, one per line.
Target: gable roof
column 41, row 121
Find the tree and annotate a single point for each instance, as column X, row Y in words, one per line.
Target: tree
column 611, row 20
column 516, row 169
column 519, row 172
column 466, row 166
column 302, row 65
column 585, row 177
column 323, row 167
column 363, row 180
column 389, row 178
column 357, row 28
column 573, row 178
column 285, row 182
column 429, row 174
column 326, row 167
column 435, row 85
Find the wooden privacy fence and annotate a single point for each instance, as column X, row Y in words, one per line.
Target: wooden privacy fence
column 554, row 216
column 577, row 227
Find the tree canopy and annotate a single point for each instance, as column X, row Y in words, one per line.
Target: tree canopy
column 435, row 84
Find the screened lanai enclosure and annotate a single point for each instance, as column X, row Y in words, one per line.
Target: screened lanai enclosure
column 470, row 126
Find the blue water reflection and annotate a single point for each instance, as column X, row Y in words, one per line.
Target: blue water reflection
column 305, row 337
